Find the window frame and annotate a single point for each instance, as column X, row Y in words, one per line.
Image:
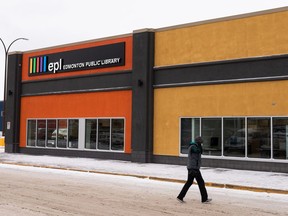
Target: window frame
column 27, row 133
column 110, row 135
column 46, row 128
column 245, row 157
column 81, row 134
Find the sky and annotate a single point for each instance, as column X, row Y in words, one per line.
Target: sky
column 58, row 22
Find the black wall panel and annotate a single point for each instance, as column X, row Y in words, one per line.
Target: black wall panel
column 256, row 69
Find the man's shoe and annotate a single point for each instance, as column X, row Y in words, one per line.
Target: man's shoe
column 180, row 200
column 207, row 201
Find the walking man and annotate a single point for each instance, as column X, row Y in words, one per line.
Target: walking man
column 193, row 166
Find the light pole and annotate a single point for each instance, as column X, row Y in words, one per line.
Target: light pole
column 6, row 49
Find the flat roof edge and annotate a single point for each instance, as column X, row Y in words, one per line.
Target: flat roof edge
column 221, row 19
column 77, row 43
column 143, row 30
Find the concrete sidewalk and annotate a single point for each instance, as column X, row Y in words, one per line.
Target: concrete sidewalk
column 214, row 177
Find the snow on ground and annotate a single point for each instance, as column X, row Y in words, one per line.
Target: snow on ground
column 215, row 175
column 36, row 191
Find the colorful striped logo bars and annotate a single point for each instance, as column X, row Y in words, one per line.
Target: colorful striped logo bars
column 38, row 64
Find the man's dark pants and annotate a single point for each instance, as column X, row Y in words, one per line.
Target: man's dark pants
column 194, row 173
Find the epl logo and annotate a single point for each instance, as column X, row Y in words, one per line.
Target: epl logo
column 41, row 65
column 55, row 66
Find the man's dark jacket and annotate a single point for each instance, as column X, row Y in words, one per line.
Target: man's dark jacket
column 194, row 156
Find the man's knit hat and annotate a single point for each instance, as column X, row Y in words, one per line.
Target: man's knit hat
column 199, row 139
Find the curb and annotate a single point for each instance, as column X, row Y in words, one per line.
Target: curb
column 208, row 184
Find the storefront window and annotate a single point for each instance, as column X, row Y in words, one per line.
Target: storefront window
column 258, row 138
column 62, row 133
column 117, row 134
column 100, row 134
column 91, row 133
column 234, row 137
column 73, row 133
column 31, row 133
column 104, row 134
column 51, row 132
column 41, row 133
column 212, row 136
column 190, row 129
column 242, row 136
column 280, row 138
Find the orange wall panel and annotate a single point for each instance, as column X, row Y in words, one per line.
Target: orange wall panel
column 83, row 105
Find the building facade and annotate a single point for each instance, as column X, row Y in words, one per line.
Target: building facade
column 144, row 96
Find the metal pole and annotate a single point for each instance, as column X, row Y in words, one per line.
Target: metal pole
column 5, row 78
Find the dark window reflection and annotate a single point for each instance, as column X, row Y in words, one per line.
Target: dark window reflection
column 100, row 134
column 41, row 133
column 186, row 134
column 117, row 133
column 212, row 136
column 258, row 138
column 90, row 133
column 62, row 133
column 190, row 129
column 280, row 138
column 234, row 137
column 73, row 133
column 51, row 132
column 31, row 134
column 243, row 136
column 104, row 134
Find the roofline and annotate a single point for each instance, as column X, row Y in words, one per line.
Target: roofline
column 77, row 43
column 15, row 52
column 221, row 19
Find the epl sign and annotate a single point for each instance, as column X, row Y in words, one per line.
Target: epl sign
column 55, row 66
column 110, row 55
